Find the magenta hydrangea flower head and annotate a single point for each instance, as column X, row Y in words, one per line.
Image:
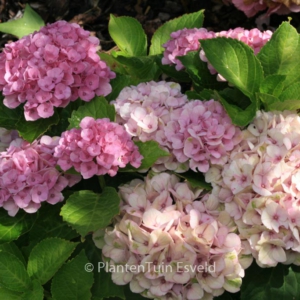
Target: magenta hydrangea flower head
column 28, row 176
column 98, row 147
column 52, row 67
column 259, row 187
column 167, row 245
column 182, row 42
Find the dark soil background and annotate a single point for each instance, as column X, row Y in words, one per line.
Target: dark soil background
column 93, row 15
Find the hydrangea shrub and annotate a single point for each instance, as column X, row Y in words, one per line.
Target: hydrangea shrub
column 134, row 175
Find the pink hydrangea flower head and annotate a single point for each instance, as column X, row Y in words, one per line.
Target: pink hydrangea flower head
column 259, row 186
column 145, row 111
column 168, row 243
column 196, row 134
column 182, row 42
column 186, row 40
column 52, row 67
column 98, row 147
column 251, row 8
column 28, row 175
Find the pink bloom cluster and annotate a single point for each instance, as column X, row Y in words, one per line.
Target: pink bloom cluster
column 259, row 187
column 186, row 40
column 52, row 67
column 252, row 7
column 28, row 176
column 195, row 133
column 182, row 42
column 99, row 147
column 6, row 136
column 169, row 245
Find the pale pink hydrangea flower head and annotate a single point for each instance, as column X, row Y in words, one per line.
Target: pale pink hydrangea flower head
column 51, row 67
column 259, row 187
column 195, row 133
column 169, row 245
column 28, row 176
column 98, row 147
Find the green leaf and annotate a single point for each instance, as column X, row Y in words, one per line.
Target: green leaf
column 162, row 34
column 31, row 130
column 280, row 283
column 289, row 99
column 9, row 295
column 118, row 83
column 50, row 224
column 199, row 73
column 239, row 116
column 170, row 70
column 98, row 108
column 113, row 64
column 29, row 23
column 196, row 180
column 87, row 211
column 286, row 105
column 13, row 275
column 72, row 281
column 141, row 68
column 12, row 228
column 64, row 114
column 105, row 288
column 205, row 94
column 13, row 249
column 291, row 93
column 47, row 257
column 267, row 100
column 193, row 95
column 35, row 293
column 236, row 97
column 129, row 35
column 281, row 55
column 9, row 117
column 151, row 152
column 272, row 85
column 236, row 62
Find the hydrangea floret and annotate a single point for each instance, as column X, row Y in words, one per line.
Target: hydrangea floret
column 52, row 67
column 196, row 133
column 179, row 250
column 98, row 147
column 259, row 187
column 28, row 175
